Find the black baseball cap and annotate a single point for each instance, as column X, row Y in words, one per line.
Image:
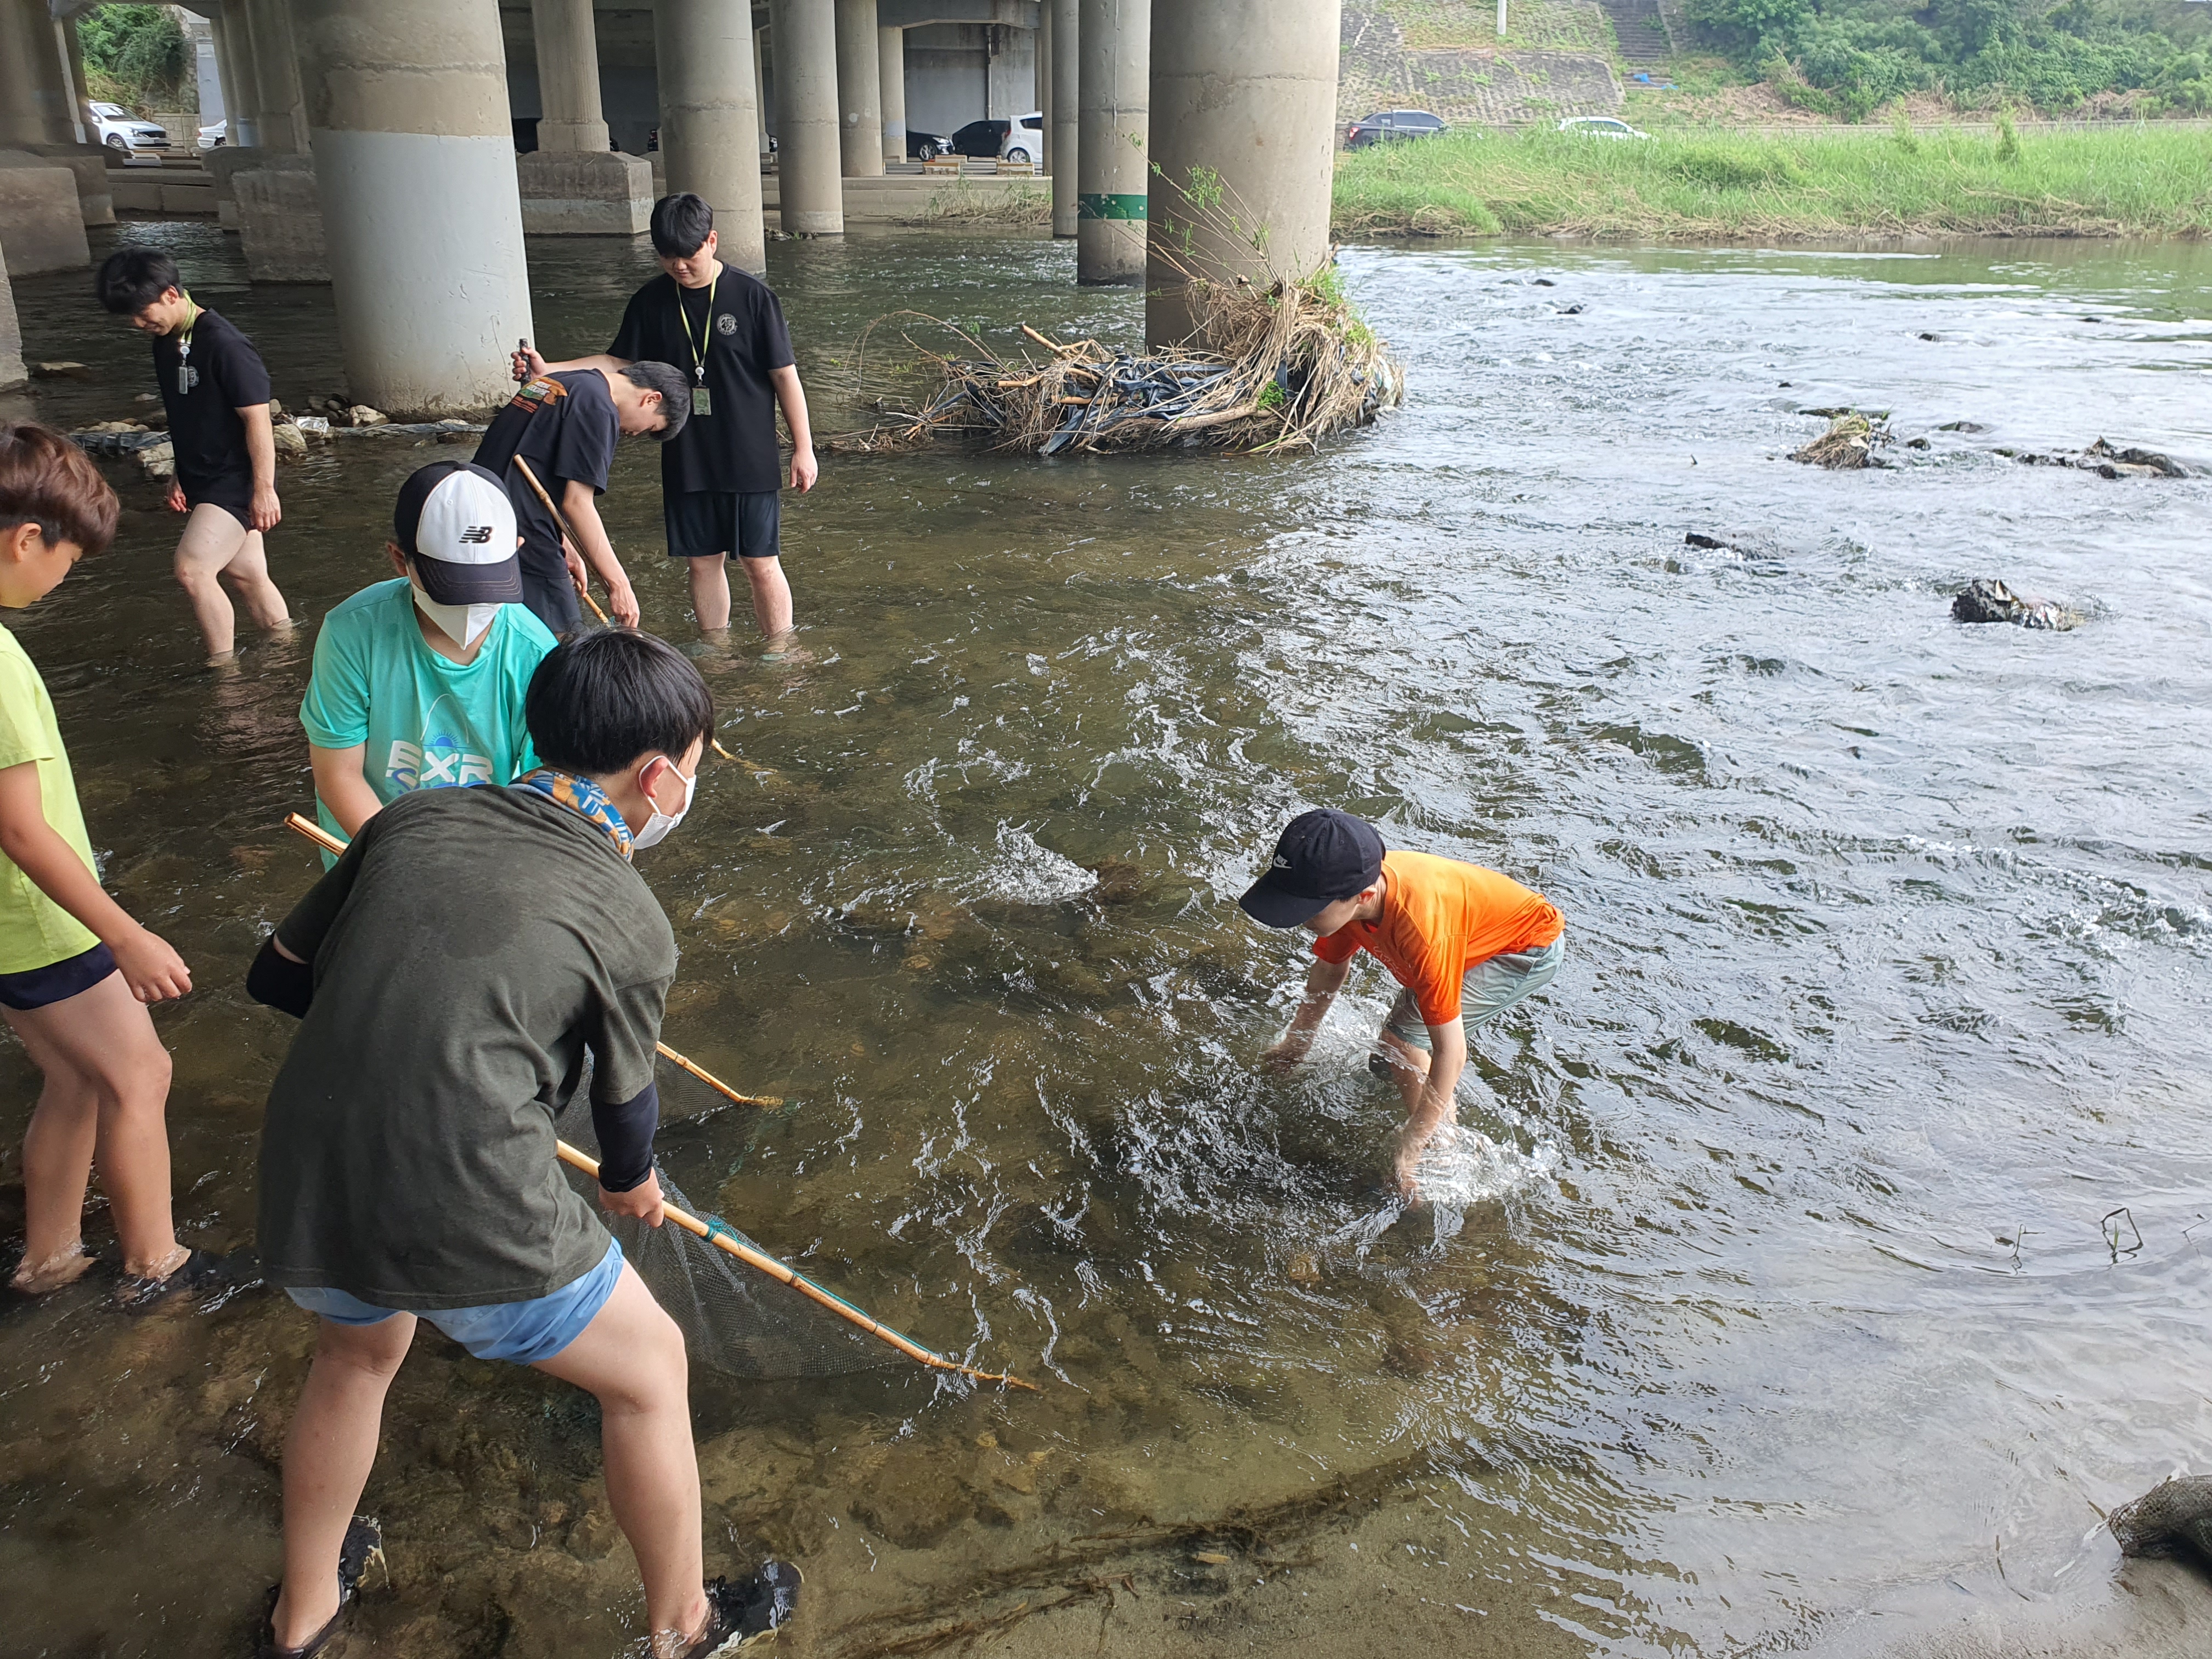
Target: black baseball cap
column 454, row 521
column 1324, row 856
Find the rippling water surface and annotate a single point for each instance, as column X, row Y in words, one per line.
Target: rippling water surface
column 1766, row 1300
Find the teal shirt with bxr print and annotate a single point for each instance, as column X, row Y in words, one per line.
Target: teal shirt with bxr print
column 424, row 722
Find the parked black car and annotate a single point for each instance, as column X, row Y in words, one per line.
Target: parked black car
column 1393, row 124
column 981, row 137
column 922, row 146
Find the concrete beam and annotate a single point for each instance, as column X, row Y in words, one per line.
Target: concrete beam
column 12, row 372
column 569, row 117
column 1245, row 89
column 859, row 90
column 914, row 14
column 407, row 116
column 710, row 120
column 1114, row 44
column 803, row 34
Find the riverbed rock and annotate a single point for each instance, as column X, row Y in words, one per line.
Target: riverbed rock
column 104, row 426
column 159, row 461
column 64, row 370
column 2172, row 1518
column 2106, row 461
column 1986, row 600
column 1962, row 426
column 291, row 442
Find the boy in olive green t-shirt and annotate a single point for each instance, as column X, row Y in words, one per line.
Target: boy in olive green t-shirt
column 76, row 971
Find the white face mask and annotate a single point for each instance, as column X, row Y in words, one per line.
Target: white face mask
column 465, row 622
column 658, row 826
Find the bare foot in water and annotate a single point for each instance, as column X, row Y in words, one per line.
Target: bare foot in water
column 63, row 1268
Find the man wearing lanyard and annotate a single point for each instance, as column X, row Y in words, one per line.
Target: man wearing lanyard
column 720, row 476
column 216, row 393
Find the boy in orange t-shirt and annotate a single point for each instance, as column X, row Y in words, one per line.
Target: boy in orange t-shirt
column 1465, row 944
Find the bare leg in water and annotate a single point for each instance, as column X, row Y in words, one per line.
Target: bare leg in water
column 631, row 1356
column 215, row 549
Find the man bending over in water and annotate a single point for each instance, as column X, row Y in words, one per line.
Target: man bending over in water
column 1464, row 943
column 449, row 975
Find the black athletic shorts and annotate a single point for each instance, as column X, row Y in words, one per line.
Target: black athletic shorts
column 233, row 493
column 58, row 982
column 548, row 590
column 704, row 522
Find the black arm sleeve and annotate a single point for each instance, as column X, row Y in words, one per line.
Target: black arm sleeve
column 286, row 986
column 625, row 1133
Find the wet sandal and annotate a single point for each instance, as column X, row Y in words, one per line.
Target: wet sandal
column 364, row 1543
column 201, row 1270
column 738, row 1615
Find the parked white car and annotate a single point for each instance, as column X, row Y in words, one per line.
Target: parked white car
column 214, row 134
column 1600, row 127
column 119, row 129
column 1024, row 140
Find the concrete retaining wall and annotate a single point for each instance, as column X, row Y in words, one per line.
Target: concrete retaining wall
column 1566, row 72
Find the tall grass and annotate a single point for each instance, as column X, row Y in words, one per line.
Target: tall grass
column 2133, row 181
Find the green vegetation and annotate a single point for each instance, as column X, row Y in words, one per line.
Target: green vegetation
column 138, row 56
column 1791, row 186
column 1847, row 58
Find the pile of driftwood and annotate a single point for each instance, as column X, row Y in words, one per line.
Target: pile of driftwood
column 1274, row 367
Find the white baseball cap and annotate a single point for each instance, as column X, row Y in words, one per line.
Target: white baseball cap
column 454, row 521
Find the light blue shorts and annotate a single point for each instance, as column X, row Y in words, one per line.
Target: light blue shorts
column 524, row 1332
column 1493, row 986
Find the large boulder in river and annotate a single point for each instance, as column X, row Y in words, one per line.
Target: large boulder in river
column 1989, row 601
column 2172, row 1518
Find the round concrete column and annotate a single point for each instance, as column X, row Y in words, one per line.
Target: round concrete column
column 890, row 72
column 234, row 112
column 1246, row 89
column 1066, row 112
column 760, row 88
column 859, row 89
column 1114, row 57
column 279, row 101
column 568, row 113
column 414, row 151
column 709, row 125
column 35, row 95
column 809, row 181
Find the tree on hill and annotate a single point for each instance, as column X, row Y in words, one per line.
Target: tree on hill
column 138, row 56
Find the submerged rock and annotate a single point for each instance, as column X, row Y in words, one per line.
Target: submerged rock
column 2107, row 461
column 61, row 371
column 2172, row 1518
column 1962, row 426
column 1989, row 601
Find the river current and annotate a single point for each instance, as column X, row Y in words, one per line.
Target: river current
column 1774, row 1298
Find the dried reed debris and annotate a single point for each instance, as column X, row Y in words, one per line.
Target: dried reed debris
column 1277, row 367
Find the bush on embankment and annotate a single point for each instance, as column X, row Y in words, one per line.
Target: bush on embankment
column 2136, row 182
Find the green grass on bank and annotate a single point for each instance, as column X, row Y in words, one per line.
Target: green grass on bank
column 2135, row 181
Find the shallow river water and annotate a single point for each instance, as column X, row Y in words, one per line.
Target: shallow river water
column 1767, row 1303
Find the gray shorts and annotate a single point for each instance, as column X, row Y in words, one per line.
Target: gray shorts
column 1493, row 986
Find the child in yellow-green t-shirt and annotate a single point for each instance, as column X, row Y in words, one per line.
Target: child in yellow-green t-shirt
column 76, row 971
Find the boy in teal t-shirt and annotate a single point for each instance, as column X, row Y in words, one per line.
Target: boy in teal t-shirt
column 418, row 683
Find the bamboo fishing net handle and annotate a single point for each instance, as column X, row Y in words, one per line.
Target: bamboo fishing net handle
column 775, row 1270
column 330, row 844
column 562, row 519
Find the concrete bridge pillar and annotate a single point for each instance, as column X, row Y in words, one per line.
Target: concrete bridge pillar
column 1246, row 89
column 1066, row 113
column 710, row 120
column 235, row 105
column 39, row 118
column 415, row 149
column 279, row 212
column 572, row 184
column 1115, row 42
column 891, row 60
column 859, row 89
column 282, row 104
column 12, row 371
column 810, row 176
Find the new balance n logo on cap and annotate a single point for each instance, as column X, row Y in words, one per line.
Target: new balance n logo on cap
column 476, row 533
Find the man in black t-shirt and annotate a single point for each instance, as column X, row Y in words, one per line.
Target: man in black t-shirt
column 216, row 393
column 563, row 427
column 719, row 481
